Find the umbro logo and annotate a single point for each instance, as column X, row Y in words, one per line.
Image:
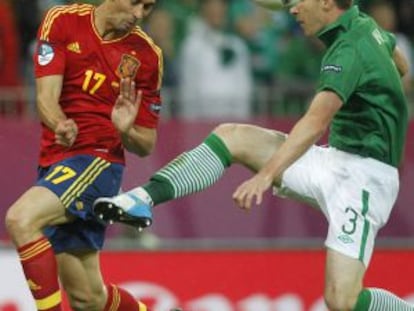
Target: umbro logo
column 346, row 239
column 74, row 47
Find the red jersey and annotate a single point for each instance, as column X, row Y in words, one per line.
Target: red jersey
column 69, row 45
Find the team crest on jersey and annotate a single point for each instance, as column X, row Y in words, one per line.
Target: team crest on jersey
column 128, row 67
column 45, row 53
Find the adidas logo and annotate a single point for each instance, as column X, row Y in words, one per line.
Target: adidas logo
column 33, row 286
column 74, row 47
column 79, row 205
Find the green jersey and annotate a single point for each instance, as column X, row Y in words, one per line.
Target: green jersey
column 358, row 66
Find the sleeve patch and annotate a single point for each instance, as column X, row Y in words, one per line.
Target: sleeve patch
column 156, row 108
column 45, row 53
column 331, row 68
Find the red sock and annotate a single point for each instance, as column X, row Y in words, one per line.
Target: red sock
column 40, row 268
column 120, row 300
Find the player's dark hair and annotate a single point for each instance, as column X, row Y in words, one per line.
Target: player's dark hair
column 344, row 4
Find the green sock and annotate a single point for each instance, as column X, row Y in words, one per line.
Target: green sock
column 190, row 172
column 377, row 299
column 364, row 300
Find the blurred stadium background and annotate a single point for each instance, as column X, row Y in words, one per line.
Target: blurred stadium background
column 202, row 253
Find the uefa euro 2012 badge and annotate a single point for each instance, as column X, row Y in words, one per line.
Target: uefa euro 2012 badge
column 276, row 5
column 45, row 53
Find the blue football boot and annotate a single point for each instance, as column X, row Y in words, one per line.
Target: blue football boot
column 125, row 208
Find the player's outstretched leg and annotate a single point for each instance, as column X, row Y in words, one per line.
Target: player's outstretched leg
column 377, row 299
column 133, row 210
column 190, row 172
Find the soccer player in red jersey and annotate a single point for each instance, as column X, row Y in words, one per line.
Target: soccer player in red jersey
column 89, row 63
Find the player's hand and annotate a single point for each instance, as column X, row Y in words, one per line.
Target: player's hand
column 251, row 191
column 126, row 106
column 66, row 132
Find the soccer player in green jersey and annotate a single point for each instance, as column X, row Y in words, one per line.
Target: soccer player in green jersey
column 354, row 180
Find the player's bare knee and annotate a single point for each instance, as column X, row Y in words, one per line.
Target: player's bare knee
column 339, row 300
column 232, row 134
column 279, row 136
column 225, row 130
column 17, row 224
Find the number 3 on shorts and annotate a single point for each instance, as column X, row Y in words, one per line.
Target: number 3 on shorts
column 350, row 227
column 59, row 174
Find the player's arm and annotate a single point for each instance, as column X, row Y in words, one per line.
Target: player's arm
column 139, row 140
column 140, row 135
column 339, row 78
column 50, row 62
column 136, row 111
column 304, row 134
column 48, row 89
column 400, row 61
column 135, row 138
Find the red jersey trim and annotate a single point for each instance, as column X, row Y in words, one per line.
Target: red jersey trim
column 56, row 11
column 137, row 31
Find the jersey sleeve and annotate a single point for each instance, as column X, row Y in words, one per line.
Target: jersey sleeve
column 341, row 71
column 49, row 56
column 150, row 108
column 390, row 41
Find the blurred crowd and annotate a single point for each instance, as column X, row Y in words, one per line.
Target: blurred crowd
column 223, row 58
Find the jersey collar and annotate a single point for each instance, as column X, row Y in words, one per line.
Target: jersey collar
column 331, row 32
